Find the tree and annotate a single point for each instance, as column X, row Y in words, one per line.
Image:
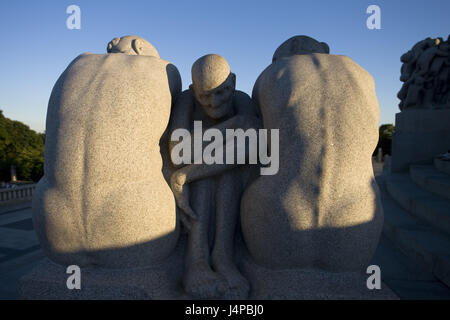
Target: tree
column 385, row 139
column 22, row 147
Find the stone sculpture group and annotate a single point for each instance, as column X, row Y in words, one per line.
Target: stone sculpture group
column 110, row 117
column 426, row 75
column 422, row 128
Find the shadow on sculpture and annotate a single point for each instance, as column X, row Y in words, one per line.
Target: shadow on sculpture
column 426, row 74
column 164, row 280
column 421, row 128
column 327, row 112
column 209, row 194
column 104, row 204
column 103, row 186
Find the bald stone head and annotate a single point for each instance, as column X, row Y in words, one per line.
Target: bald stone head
column 213, row 85
column 132, row 45
column 300, row 45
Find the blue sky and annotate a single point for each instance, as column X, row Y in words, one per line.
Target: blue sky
column 37, row 46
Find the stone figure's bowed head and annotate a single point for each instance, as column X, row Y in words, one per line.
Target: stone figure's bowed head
column 132, row 45
column 213, row 85
column 300, row 45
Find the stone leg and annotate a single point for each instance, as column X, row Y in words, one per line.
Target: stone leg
column 199, row 280
column 228, row 198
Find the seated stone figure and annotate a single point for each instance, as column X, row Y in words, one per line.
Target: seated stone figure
column 322, row 209
column 208, row 193
column 103, row 200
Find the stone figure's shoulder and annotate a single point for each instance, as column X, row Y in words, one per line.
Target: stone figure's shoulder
column 118, row 60
column 258, row 81
column 184, row 98
column 85, row 60
column 82, row 68
column 137, row 67
column 170, row 70
column 351, row 65
column 155, row 62
column 244, row 104
column 88, row 56
column 148, row 60
column 241, row 97
column 94, row 63
column 141, row 62
column 308, row 64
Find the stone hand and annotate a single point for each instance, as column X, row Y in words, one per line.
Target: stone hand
column 180, row 189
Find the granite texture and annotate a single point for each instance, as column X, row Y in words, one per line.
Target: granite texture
column 209, row 194
column 164, row 282
column 300, row 45
column 322, row 209
column 308, row 232
column 297, row 284
column 426, row 74
column 103, row 200
column 420, row 135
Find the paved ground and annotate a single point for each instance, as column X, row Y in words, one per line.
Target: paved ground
column 20, row 252
column 19, row 247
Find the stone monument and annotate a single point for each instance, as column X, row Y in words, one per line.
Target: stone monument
column 306, row 232
column 322, row 210
column 422, row 128
column 106, row 115
column 215, row 189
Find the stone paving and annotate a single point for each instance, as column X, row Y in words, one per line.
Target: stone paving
column 19, row 247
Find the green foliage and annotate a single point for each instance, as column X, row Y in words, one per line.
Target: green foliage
column 385, row 139
column 22, row 147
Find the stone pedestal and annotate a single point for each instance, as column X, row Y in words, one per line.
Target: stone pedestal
column 48, row 281
column 419, row 136
column 295, row 284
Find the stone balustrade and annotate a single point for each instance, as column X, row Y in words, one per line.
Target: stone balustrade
column 17, row 193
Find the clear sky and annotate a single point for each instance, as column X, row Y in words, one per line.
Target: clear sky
column 36, row 45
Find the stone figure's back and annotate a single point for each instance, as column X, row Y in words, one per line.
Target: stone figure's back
column 322, row 208
column 103, row 199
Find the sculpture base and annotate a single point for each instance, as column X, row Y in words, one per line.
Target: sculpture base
column 295, row 284
column 48, row 281
column 161, row 282
column 419, row 136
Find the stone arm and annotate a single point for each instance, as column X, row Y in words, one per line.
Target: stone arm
column 179, row 183
column 247, row 117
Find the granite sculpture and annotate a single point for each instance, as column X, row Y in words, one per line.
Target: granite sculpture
column 209, row 194
column 103, row 200
column 426, row 75
column 421, row 127
column 112, row 194
column 322, row 210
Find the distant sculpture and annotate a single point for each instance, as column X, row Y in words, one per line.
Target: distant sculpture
column 426, row 75
column 211, row 192
column 103, row 200
column 322, row 210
